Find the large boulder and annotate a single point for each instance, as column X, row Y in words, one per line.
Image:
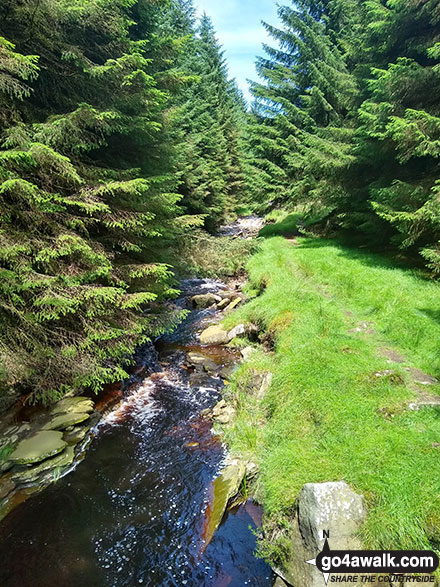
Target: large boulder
column 214, row 335
column 330, row 507
column 40, row 446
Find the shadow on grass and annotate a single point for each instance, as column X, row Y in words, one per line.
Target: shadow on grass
column 287, row 227
column 378, row 258
column 433, row 315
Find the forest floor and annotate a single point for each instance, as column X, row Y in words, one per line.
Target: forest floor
column 354, row 350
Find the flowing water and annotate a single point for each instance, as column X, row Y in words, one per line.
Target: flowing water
column 133, row 511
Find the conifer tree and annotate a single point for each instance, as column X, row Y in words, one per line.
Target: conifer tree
column 210, row 119
column 303, row 106
column 346, row 118
column 87, row 190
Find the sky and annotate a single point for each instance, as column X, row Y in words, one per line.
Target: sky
column 239, row 30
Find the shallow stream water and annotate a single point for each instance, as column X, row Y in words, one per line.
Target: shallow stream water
column 133, row 511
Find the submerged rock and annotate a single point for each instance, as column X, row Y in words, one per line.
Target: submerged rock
column 214, row 335
column 199, row 360
column 6, row 486
column 40, row 446
column 224, row 488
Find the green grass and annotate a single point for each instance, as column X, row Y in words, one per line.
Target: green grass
column 284, row 226
column 323, row 418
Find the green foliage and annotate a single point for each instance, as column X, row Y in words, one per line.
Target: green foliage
column 120, row 134
column 347, row 118
column 211, row 256
column 87, row 191
column 210, row 121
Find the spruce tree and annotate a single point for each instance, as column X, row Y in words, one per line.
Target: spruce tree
column 303, row 106
column 87, row 193
column 210, row 117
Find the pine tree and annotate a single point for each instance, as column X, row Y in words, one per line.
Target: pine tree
column 210, row 124
column 87, row 192
column 303, row 106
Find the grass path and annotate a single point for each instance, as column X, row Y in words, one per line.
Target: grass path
column 337, row 408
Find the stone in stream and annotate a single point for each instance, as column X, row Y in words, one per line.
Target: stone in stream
column 63, row 421
column 227, row 370
column 223, row 413
column 205, row 300
column 45, row 470
column 197, row 359
column 223, row 304
column 233, row 304
column 75, row 436
column 224, row 488
column 214, row 335
column 333, row 507
column 40, row 446
column 74, row 404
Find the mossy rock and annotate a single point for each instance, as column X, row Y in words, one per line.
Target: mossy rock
column 63, row 421
column 74, row 404
column 205, row 300
column 33, row 474
column 75, row 436
column 37, row 448
column 214, row 335
column 223, row 489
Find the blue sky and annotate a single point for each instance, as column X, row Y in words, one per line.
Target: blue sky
column 239, row 30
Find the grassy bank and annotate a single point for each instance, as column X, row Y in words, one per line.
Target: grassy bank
column 334, row 410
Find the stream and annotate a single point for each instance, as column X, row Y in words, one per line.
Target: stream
column 133, row 512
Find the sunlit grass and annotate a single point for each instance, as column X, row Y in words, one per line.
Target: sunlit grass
column 328, row 416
